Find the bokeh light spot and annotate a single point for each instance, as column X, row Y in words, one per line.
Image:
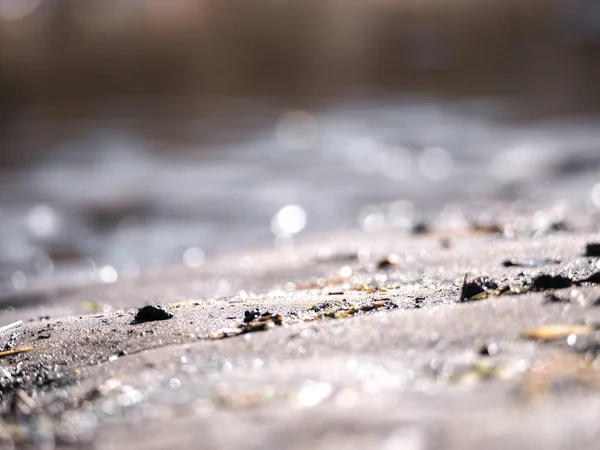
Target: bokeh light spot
column 314, row 393
column 108, row 274
column 289, row 220
column 596, row 195
column 401, row 214
column 18, row 281
column 371, row 218
column 43, row 221
column 298, row 130
column 193, row 257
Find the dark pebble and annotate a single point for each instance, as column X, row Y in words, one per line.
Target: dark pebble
column 543, row 282
column 488, row 350
column 592, row 249
column 476, row 287
column 559, row 225
column 251, row 314
column 322, row 306
column 389, row 261
column 150, row 313
column 420, row 227
column 390, row 304
column 593, row 278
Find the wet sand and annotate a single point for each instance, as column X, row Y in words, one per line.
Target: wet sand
column 355, row 353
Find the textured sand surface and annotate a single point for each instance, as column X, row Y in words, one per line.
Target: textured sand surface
column 433, row 373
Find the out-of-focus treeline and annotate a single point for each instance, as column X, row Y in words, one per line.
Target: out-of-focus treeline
column 64, row 54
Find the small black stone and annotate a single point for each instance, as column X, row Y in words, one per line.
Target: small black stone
column 390, row 304
column 592, row 249
column 384, row 264
column 251, row 314
column 150, row 313
column 544, row 282
column 387, row 262
column 488, row 350
column 420, row 227
column 559, row 225
column 476, row 287
column 321, row 307
column 593, row 278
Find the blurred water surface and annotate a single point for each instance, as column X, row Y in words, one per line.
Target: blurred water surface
column 110, row 198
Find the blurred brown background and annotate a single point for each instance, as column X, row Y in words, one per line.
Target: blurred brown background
column 62, row 54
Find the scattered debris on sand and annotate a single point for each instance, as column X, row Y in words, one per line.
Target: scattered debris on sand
column 260, row 323
column 490, row 228
column 484, row 287
column 251, row 314
column 326, row 310
column 481, row 288
column 371, row 287
column 151, row 313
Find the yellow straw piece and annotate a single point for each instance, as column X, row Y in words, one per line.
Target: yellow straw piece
column 17, row 351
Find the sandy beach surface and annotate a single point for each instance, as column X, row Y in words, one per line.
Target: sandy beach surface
column 299, row 225
column 441, row 339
